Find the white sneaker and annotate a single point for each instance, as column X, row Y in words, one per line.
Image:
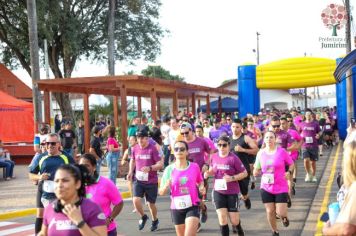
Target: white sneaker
column 314, row 179
column 307, row 178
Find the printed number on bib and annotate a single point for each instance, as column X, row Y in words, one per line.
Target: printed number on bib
column 308, row 139
column 182, row 202
column 142, row 176
column 220, row 184
column 48, row 186
column 268, row 178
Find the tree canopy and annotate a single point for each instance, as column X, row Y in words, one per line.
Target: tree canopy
column 160, row 72
column 77, row 29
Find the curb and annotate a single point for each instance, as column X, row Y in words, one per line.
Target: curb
column 311, row 223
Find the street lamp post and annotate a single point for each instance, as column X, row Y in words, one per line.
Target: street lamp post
column 258, row 48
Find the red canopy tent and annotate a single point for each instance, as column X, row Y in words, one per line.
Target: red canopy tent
column 16, row 119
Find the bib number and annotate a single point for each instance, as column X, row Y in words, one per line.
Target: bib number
column 141, row 176
column 267, row 178
column 220, row 184
column 48, row 186
column 182, row 202
column 308, row 139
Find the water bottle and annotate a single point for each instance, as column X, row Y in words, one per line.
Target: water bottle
column 334, row 210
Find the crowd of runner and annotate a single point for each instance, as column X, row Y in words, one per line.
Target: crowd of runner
column 228, row 150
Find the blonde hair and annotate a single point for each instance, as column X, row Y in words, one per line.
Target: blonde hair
column 349, row 163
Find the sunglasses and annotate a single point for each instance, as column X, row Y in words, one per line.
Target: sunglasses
column 275, row 126
column 51, row 143
column 222, row 144
column 228, row 119
column 290, row 121
column 179, row 149
column 184, row 133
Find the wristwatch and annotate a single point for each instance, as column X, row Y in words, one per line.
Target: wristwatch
column 80, row 224
column 233, row 177
column 110, row 219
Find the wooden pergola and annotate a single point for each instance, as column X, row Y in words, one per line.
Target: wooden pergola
column 130, row 85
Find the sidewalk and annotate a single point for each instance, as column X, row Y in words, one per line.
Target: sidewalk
column 20, row 193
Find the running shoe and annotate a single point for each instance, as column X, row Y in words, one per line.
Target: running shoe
column 275, row 233
column 238, row 229
column 154, row 226
column 204, row 214
column 142, row 222
column 314, row 179
column 253, row 185
column 307, row 178
column 289, row 202
column 248, row 203
column 285, row 221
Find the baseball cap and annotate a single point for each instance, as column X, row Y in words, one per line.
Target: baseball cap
column 185, row 125
column 216, row 120
column 142, row 132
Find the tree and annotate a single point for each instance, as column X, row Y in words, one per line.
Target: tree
column 160, row 72
column 76, row 30
column 334, row 17
column 227, row 81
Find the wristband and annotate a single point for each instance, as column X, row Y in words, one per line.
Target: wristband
column 80, row 224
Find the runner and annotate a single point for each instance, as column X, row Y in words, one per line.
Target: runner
column 271, row 162
column 226, row 169
column 311, row 133
column 245, row 148
column 183, row 178
column 258, row 138
column 103, row 192
column 200, row 133
column 42, row 170
column 197, row 147
column 144, row 164
column 285, row 125
column 217, row 131
column 72, row 214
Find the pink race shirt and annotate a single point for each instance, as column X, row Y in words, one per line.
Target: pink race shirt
column 104, row 193
column 273, row 170
column 59, row 224
column 183, row 183
column 212, row 147
column 147, row 156
column 230, row 165
column 197, row 150
column 112, row 141
column 296, row 138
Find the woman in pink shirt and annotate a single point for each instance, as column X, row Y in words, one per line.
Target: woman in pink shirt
column 112, row 157
column 102, row 191
column 185, row 181
column 271, row 162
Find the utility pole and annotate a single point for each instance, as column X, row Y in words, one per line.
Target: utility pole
column 350, row 102
column 35, row 67
column 111, row 41
column 258, row 48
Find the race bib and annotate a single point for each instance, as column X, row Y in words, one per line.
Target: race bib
column 327, row 127
column 220, row 184
column 182, row 202
column 141, row 176
column 308, row 139
column 48, row 186
column 267, row 178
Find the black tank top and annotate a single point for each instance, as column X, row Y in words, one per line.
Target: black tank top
column 244, row 157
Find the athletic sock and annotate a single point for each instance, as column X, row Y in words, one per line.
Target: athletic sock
column 38, row 225
column 224, row 230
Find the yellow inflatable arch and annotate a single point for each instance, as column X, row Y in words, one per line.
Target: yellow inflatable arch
column 298, row 72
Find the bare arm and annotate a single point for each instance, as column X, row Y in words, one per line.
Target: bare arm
column 252, row 144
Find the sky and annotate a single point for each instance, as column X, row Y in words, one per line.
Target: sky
column 209, row 39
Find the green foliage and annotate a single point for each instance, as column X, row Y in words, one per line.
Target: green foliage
column 77, row 29
column 227, row 81
column 160, row 72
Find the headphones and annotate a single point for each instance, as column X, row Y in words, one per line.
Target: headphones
column 58, row 207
